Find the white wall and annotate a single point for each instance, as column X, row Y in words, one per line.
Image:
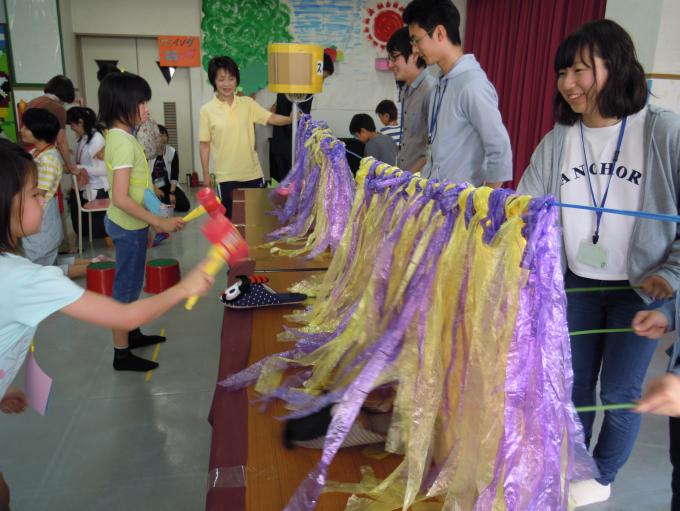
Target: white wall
column 653, row 26
column 641, row 19
column 136, row 17
column 69, row 46
column 667, row 56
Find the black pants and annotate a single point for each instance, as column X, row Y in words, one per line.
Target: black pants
column 227, row 191
column 674, row 429
column 280, row 165
column 182, row 204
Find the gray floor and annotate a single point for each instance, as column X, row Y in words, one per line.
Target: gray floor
column 113, row 441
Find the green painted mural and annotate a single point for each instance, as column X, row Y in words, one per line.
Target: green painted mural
column 242, row 29
column 7, row 122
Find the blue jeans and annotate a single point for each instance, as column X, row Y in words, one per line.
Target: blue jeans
column 620, row 360
column 130, row 260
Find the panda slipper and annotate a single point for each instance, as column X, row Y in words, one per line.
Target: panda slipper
column 252, row 292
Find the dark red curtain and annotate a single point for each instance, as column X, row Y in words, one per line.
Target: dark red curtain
column 515, row 42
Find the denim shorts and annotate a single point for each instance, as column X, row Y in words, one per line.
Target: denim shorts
column 130, row 260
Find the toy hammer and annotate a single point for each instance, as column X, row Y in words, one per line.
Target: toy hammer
column 210, row 204
column 228, row 246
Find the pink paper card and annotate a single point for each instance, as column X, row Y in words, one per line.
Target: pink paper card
column 37, row 385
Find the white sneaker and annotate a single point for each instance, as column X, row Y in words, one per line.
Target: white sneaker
column 583, row 493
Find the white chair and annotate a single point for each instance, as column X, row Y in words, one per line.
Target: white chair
column 93, row 206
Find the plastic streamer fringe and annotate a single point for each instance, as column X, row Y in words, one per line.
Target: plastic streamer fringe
column 454, row 297
column 320, row 191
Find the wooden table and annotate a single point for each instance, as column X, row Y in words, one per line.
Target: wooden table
column 250, row 215
column 247, row 441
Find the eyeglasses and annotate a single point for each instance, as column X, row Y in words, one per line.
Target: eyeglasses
column 416, row 41
column 392, row 57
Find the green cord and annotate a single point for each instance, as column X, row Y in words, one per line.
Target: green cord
column 600, row 408
column 602, row 331
column 599, row 289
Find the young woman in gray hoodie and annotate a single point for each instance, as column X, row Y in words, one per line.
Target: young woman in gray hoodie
column 609, row 149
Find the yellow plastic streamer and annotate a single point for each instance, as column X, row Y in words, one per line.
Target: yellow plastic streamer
column 448, row 394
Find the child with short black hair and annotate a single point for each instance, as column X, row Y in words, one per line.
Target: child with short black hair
column 389, row 115
column 31, row 292
column 123, row 105
column 40, row 128
column 379, row 146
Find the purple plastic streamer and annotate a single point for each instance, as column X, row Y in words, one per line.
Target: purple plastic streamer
column 303, row 184
column 538, row 414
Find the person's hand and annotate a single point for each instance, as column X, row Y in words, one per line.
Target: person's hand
column 272, row 108
column 71, row 168
column 651, row 324
column 662, row 397
column 14, row 400
column 197, row 283
column 656, row 287
column 169, row 224
column 159, row 193
column 173, row 198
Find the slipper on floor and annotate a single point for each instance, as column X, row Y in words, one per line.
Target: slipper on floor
column 252, row 292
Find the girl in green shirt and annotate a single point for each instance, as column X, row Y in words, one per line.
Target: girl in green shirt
column 123, row 104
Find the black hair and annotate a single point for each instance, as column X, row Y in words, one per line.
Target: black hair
column 227, row 64
column 43, row 124
column 105, row 70
column 17, row 168
column 80, row 113
column 360, row 121
column 61, row 87
column 625, row 91
column 387, row 106
column 428, row 14
column 400, row 43
column 163, row 130
column 328, row 65
column 120, row 95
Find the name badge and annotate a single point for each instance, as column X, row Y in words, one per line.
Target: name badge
column 592, row 255
column 160, row 182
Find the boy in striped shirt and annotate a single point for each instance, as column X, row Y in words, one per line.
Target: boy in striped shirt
column 40, row 129
column 388, row 115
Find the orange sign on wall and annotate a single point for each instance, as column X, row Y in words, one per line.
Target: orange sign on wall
column 179, row 51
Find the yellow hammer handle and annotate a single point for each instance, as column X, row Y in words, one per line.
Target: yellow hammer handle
column 216, row 260
column 194, row 214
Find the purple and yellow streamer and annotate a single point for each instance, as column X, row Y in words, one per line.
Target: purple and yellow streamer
column 454, row 297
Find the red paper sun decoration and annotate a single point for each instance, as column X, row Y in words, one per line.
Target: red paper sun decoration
column 382, row 22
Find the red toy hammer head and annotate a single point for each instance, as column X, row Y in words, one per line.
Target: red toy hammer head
column 206, row 196
column 220, row 231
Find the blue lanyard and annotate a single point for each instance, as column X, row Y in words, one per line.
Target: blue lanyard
column 401, row 117
column 438, row 99
column 598, row 214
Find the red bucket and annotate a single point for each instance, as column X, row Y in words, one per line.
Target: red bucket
column 100, row 276
column 161, row 274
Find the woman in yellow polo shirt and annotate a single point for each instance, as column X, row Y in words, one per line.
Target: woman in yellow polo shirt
column 227, row 131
